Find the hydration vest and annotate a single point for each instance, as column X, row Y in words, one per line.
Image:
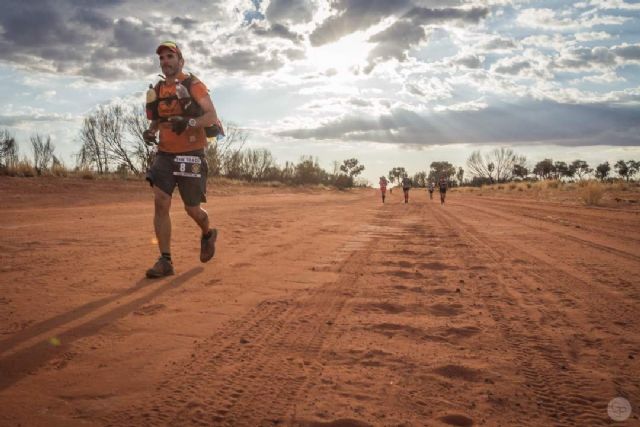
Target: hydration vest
column 193, row 109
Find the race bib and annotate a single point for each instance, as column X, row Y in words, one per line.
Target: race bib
column 189, row 166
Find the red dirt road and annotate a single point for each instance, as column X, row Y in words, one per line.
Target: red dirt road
column 320, row 308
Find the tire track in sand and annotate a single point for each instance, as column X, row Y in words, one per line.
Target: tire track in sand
column 564, row 395
column 251, row 372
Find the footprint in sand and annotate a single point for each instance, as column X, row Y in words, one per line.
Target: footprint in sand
column 464, row 332
column 342, row 422
column 445, row 310
column 458, row 372
column 405, row 274
column 149, row 310
column 391, row 329
column 457, row 420
column 437, row 266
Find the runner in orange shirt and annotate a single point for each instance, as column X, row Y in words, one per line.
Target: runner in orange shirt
column 383, row 187
column 181, row 113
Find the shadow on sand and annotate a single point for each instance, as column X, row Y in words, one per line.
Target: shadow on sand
column 18, row 365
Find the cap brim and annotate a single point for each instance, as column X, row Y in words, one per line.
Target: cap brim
column 162, row 47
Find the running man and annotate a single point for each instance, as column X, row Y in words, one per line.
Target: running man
column 406, row 186
column 383, row 187
column 430, row 188
column 442, row 186
column 180, row 159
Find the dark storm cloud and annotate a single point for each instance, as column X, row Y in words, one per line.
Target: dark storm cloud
column 426, row 16
column 34, row 24
column 247, row 61
column 631, row 52
column 532, row 122
column 186, row 23
column 584, row 59
column 275, row 30
column 355, row 15
column 408, row 31
column 135, row 36
column 498, row 44
column 395, row 41
column 68, row 35
column 513, row 68
column 30, row 118
column 295, row 11
column 469, row 61
column 93, row 18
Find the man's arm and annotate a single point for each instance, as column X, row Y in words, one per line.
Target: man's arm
column 149, row 135
column 210, row 116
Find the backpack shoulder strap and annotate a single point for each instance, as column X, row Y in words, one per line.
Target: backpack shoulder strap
column 157, row 88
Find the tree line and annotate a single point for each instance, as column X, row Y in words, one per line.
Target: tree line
column 111, row 141
column 454, row 176
column 503, row 165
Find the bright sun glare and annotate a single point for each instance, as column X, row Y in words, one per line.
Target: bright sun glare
column 341, row 55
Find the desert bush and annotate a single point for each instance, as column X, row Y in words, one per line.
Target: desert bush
column 58, row 170
column 513, row 186
column 22, row 168
column 552, row 184
column 591, row 192
column 86, row 173
column 620, row 186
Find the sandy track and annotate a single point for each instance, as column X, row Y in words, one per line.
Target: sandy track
column 320, row 308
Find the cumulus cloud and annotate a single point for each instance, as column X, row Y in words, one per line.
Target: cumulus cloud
column 608, row 5
column 600, row 57
column 498, row 44
column 551, row 20
column 430, row 89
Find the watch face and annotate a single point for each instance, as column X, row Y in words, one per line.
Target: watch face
column 192, row 122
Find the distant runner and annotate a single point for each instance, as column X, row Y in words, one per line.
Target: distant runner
column 406, row 186
column 430, row 188
column 442, row 186
column 383, row 187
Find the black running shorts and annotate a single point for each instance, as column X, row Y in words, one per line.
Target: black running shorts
column 186, row 170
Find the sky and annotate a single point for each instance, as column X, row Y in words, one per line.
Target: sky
column 390, row 82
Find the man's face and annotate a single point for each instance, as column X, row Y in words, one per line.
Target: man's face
column 170, row 63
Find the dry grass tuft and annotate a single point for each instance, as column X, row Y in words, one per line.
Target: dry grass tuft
column 591, row 192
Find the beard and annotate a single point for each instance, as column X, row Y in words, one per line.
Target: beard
column 169, row 70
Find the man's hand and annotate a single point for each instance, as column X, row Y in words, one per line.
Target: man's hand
column 178, row 124
column 219, row 129
column 149, row 137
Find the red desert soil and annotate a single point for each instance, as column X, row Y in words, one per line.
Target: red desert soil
column 320, row 308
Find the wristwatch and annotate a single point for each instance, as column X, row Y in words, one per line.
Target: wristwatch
column 192, row 122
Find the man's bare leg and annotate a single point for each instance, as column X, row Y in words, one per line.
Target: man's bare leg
column 200, row 216
column 209, row 235
column 162, row 220
column 162, row 225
